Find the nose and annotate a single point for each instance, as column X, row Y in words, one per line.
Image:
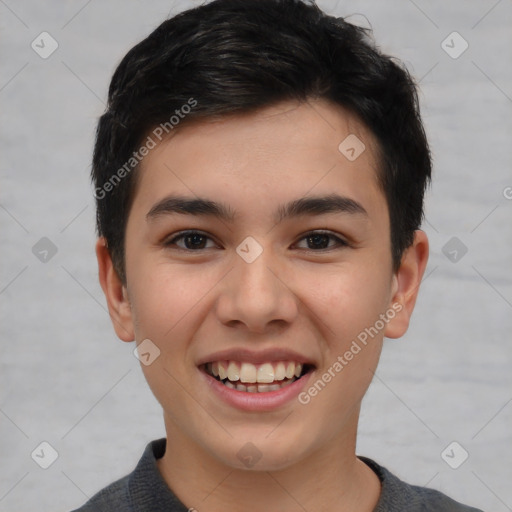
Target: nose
column 258, row 295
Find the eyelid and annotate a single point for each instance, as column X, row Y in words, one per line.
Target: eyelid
column 170, row 240
column 340, row 241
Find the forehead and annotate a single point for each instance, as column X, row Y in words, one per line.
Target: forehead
column 275, row 154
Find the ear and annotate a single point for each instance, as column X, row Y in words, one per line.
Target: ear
column 406, row 285
column 115, row 293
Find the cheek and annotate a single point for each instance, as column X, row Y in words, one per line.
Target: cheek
column 165, row 293
column 352, row 304
column 166, row 309
column 347, row 301
column 349, row 305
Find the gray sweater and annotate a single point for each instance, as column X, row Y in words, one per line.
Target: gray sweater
column 144, row 490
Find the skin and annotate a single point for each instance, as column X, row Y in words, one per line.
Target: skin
column 294, row 295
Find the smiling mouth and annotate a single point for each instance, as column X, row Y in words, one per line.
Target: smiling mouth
column 261, row 378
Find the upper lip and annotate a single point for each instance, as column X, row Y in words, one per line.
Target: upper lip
column 255, row 357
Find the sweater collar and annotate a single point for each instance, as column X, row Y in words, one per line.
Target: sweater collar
column 149, row 491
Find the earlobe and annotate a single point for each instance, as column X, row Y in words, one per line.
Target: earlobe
column 406, row 285
column 115, row 293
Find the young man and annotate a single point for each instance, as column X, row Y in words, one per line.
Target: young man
column 259, row 176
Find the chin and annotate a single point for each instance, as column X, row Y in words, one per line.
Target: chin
column 260, row 454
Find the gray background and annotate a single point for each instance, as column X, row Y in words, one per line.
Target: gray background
column 65, row 377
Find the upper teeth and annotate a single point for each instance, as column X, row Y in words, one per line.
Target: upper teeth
column 247, row 372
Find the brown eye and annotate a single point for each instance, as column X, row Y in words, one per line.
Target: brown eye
column 319, row 240
column 192, row 240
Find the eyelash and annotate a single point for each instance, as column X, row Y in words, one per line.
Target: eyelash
column 340, row 243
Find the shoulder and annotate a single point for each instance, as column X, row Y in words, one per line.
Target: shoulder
column 143, row 486
column 116, row 493
column 426, row 500
column 397, row 495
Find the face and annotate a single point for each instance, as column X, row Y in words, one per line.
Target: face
column 280, row 282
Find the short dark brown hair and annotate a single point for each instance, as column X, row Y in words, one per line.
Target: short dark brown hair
column 237, row 56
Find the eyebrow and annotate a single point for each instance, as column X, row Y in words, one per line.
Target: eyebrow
column 310, row 205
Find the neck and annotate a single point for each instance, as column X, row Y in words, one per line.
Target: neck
column 330, row 479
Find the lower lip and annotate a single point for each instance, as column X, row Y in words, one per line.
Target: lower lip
column 266, row 401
